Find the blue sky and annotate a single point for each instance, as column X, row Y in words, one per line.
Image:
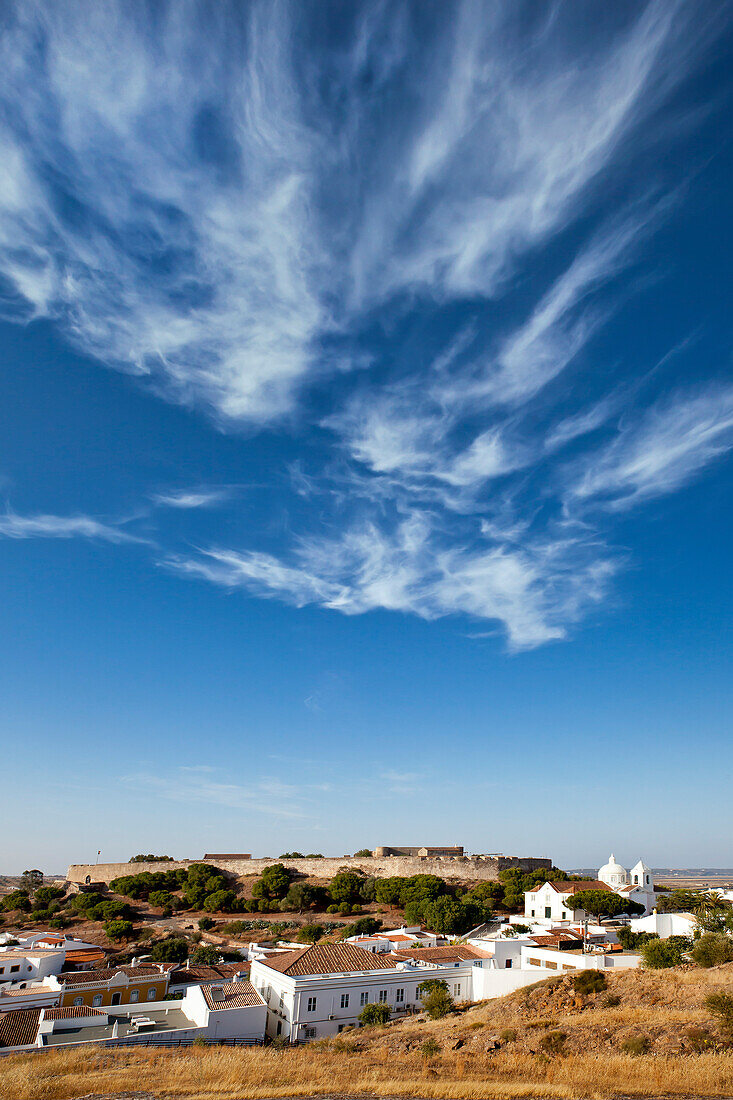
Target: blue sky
column 366, row 425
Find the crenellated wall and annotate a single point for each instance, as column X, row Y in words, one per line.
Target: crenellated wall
column 465, row 868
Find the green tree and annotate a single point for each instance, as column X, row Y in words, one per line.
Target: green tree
column 346, row 887
column 446, row 915
column 221, row 901
column 601, row 903
column 389, row 890
column 435, row 998
column 632, row 941
column 363, row 853
column 374, row 1015
column 119, row 929
column 310, row 933
column 205, row 955
column 292, row 855
column 714, row 914
column 302, row 895
column 661, row 954
column 174, row 949
column 17, row 900
column 46, row 894
column 364, row 926
column 273, row 884
column 712, row 949
column 31, row 880
column 206, row 923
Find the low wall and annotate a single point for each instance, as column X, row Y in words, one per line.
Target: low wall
column 464, row 868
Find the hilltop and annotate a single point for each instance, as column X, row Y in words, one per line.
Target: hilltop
column 647, row 1033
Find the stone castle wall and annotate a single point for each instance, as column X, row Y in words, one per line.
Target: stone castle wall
column 464, row 868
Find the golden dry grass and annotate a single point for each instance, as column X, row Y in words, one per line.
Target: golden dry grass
column 661, row 1006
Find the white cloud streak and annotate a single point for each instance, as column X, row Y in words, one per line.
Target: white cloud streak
column 13, row 526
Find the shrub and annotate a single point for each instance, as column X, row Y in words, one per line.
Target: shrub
column 206, row 923
column 635, row 1044
column 174, row 949
column 118, row 929
column 661, row 954
column 221, row 901
column 208, row 955
column 430, row 1048
column 310, row 933
column 612, row 1001
column 18, row 899
column 344, row 907
column 713, row 949
column 589, row 981
column 273, row 883
column 365, row 926
column 553, row 1042
column 721, row 1005
column 332, row 909
column 508, row 1034
column 699, row 1037
column 363, row 853
column 435, row 997
column 374, row 1015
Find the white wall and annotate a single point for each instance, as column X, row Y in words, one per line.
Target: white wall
column 665, row 924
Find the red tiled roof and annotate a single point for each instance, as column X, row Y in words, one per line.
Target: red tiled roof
column 198, row 974
column 461, row 952
column 76, row 1012
column 19, row 1028
column 329, row 958
column 235, row 995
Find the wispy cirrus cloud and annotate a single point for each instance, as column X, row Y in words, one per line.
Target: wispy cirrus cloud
column 265, row 795
column 14, row 526
column 192, row 498
column 408, row 238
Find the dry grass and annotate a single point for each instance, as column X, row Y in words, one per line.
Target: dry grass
column 660, row 1007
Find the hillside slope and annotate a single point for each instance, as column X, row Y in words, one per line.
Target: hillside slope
column 646, row 1034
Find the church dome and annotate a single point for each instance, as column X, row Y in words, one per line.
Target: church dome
column 613, row 874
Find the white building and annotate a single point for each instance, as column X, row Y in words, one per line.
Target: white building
column 321, row 990
column 227, row 1011
column 396, row 939
column 665, row 925
column 549, row 901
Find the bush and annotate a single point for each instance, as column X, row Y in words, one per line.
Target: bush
column 589, row 981
column 208, row 955
column 630, row 941
column 332, row 909
column 635, row 1044
column 17, row 900
column 430, row 1048
column 310, row 933
column 119, row 929
column 508, row 1034
column 659, row 954
column 363, row 853
column 206, row 923
column 699, row 1038
column 721, row 1005
column 437, row 1002
column 374, row 1015
column 365, row 926
column 221, row 901
column 612, row 1001
column 713, row 949
column 174, row 949
column 553, row 1042
column 345, row 887
column 273, row 883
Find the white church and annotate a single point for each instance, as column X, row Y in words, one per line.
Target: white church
column 549, row 902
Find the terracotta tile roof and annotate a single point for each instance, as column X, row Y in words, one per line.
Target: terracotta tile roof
column 234, row 995
column 100, row 977
column 329, row 958
column 19, row 1028
column 460, row 952
column 579, row 887
column 198, row 974
column 29, row 991
column 85, row 955
column 76, row 1012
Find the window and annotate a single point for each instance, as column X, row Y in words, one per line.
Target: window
column 2, row 969
column 30, row 967
column 548, row 911
column 382, row 996
column 534, row 962
column 78, row 1001
column 551, row 966
column 636, row 878
column 456, row 989
column 97, row 1000
column 311, row 1004
column 279, row 1027
column 363, row 999
column 564, row 915
column 282, row 1001
column 344, row 1000
column 152, row 993
column 341, row 1028
column 508, row 964
column 15, row 969
column 399, row 996
column 134, row 996
column 310, row 1033
column 532, row 913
